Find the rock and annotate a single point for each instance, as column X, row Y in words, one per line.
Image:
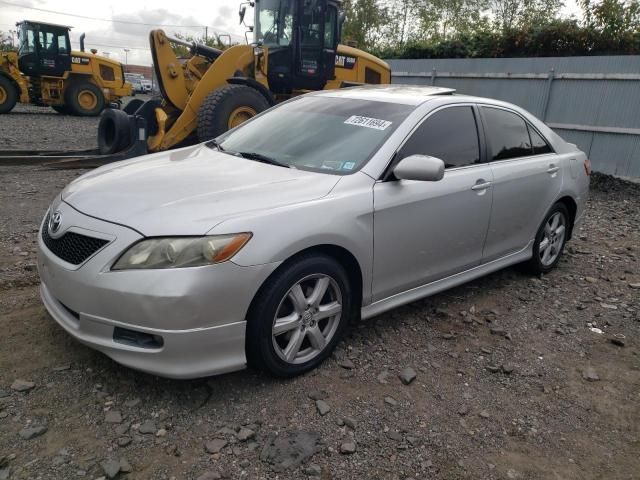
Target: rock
column 110, row 467
column 123, row 441
column 635, row 286
column 590, row 279
column 498, row 331
column 507, row 368
column 313, row 470
column 390, row 401
column 350, row 422
column 319, row 395
column 382, row 377
column 4, row 393
column 132, row 403
column 346, row 363
column 463, row 410
column 394, row 435
column 61, row 368
column 448, row 336
column 407, row 375
column 290, row 449
column 215, row 445
column 32, row 432
column 619, row 342
column 148, row 427
column 590, row 375
column 113, row 416
column 210, row 475
column 347, row 448
column 161, row 432
column 123, row 428
column 493, row 368
column 245, row 434
column 608, row 306
column 125, row 466
column 484, row 414
column 323, row 407
column 22, row 385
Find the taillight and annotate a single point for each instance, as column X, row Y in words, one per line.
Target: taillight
column 587, row 167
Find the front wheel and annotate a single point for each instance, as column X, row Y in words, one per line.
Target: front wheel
column 8, row 95
column 299, row 316
column 550, row 240
column 84, row 99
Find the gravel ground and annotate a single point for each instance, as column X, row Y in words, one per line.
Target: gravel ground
column 28, row 127
column 510, row 380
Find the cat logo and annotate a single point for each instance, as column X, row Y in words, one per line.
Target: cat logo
column 344, row 61
column 80, row 60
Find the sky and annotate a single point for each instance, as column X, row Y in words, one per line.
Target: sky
column 115, row 34
column 115, row 24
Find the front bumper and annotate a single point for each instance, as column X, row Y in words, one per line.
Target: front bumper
column 199, row 313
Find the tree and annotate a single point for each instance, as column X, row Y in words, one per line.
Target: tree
column 510, row 14
column 6, row 42
column 612, row 17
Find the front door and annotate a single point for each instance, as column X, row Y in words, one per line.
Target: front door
column 425, row 231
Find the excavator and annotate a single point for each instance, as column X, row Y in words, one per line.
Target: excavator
column 296, row 49
column 46, row 72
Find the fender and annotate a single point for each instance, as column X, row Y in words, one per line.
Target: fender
column 250, row 82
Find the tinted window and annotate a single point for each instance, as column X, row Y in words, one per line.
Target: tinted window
column 450, row 134
column 507, row 134
column 539, row 144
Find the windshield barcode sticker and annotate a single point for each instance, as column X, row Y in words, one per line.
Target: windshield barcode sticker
column 367, row 122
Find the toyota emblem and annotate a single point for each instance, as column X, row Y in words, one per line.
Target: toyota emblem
column 55, row 221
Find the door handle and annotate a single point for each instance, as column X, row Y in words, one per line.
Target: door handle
column 481, row 186
column 552, row 168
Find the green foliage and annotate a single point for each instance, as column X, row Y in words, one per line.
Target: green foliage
column 491, row 28
column 6, row 42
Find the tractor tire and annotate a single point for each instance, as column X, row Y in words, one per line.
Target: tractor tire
column 8, row 95
column 226, row 108
column 61, row 109
column 84, row 99
column 114, row 134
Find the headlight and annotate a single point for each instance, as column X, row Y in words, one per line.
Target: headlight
column 181, row 251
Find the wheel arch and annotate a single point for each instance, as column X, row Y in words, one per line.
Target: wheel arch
column 250, row 82
column 12, row 80
column 572, row 206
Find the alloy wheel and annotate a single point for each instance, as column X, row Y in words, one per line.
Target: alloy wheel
column 552, row 238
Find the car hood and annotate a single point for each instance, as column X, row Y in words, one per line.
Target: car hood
column 189, row 191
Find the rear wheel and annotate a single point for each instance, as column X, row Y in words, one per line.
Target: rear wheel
column 299, row 316
column 226, row 108
column 61, row 109
column 8, row 95
column 84, row 99
column 550, row 240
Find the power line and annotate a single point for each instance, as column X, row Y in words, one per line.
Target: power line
column 98, row 19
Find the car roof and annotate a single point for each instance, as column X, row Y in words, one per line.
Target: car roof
column 405, row 94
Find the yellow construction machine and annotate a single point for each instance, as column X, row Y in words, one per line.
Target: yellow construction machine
column 296, row 49
column 45, row 71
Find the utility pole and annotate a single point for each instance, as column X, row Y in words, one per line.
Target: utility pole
column 126, row 55
column 206, row 34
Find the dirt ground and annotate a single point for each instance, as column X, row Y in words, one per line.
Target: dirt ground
column 511, row 383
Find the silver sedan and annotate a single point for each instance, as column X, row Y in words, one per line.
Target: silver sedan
column 259, row 248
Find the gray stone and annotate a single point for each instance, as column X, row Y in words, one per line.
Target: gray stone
column 123, row 428
column 123, row 441
column 215, row 445
column 346, row 363
column 110, row 467
column 148, row 427
column 463, row 410
column 132, row 403
column 290, row 449
column 493, row 368
column 61, row 368
column 34, row 431
column 507, row 368
column 113, row 416
column 22, row 385
column 407, row 375
column 313, row 470
column 323, row 407
column 347, row 448
column 382, row 377
column 590, row 374
column 618, row 342
column 350, row 422
column 4, row 473
column 498, row 331
column 394, row 435
column 390, row 401
column 4, row 393
column 245, row 434
column 484, row 414
column 635, row 286
column 319, row 395
column 125, row 466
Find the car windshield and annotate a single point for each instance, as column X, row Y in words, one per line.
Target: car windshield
column 318, row 133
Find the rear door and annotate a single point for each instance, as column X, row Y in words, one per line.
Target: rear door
column 425, row 231
column 526, row 180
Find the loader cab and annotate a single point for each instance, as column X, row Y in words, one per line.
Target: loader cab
column 300, row 38
column 44, row 49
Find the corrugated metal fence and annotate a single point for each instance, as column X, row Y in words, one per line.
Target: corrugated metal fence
column 593, row 102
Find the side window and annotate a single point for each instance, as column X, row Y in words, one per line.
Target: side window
column 330, row 28
column 539, row 144
column 63, row 48
column 507, row 134
column 450, row 134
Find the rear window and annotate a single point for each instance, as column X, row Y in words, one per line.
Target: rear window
column 319, row 133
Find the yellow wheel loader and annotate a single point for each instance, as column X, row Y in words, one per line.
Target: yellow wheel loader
column 46, row 72
column 296, row 49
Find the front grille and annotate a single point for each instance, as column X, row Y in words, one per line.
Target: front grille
column 71, row 247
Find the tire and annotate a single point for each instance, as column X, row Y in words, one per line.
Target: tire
column 133, row 105
column 549, row 243
column 8, row 95
column 61, row 109
column 226, row 108
column 267, row 349
column 114, row 134
column 84, row 99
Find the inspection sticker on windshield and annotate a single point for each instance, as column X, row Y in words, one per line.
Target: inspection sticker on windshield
column 368, row 122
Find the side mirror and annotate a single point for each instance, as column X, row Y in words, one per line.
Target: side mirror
column 420, row 167
column 241, row 13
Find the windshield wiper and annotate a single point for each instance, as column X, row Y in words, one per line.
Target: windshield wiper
column 214, row 143
column 262, row 158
